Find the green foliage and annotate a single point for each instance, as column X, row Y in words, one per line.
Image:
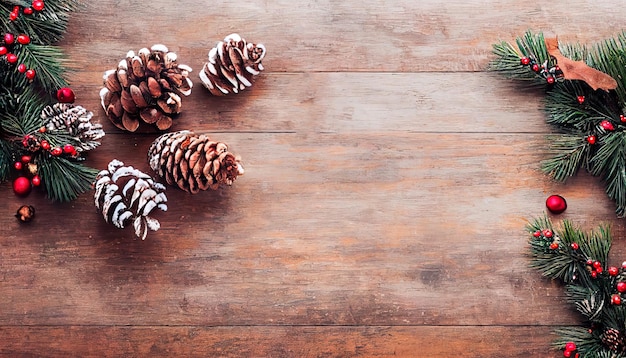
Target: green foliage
column 579, row 259
column 575, row 121
column 21, row 100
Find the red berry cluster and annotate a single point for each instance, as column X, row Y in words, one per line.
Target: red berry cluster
column 550, row 73
column 32, row 144
column 10, row 40
column 36, row 5
column 25, row 162
column 570, row 350
column 553, row 240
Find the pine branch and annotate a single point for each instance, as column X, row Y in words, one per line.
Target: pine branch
column 67, row 179
column 570, row 153
column 507, row 62
column 610, row 163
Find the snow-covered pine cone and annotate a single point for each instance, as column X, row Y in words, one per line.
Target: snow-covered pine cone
column 145, row 88
column 76, row 121
column 193, row 162
column 232, row 65
column 126, row 195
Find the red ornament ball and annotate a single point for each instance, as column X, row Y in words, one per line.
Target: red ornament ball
column 37, row 5
column 621, row 287
column 66, row 95
column 21, row 186
column 616, row 299
column 556, row 204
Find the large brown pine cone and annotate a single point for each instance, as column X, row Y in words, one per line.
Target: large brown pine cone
column 145, row 88
column 74, row 120
column 126, row 195
column 193, row 162
column 232, row 65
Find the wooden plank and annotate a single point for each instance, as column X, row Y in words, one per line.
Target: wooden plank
column 355, row 229
column 277, row 342
column 325, row 35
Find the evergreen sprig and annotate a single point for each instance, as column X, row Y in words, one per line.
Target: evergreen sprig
column 590, row 124
column 579, row 260
column 22, row 100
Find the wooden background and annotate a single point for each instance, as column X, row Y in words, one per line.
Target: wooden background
column 388, row 181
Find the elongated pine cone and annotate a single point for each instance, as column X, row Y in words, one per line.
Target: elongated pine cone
column 74, row 120
column 126, row 195
column 193, row 162
column 232, row 65
column 145, row 88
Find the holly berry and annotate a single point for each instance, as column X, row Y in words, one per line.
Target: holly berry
column 589, row 262
column 37, row 5
column 624, row 265
column 621, row 287
column 556, row 204
column 581, row 99
column 599, row 270
column 21, row 186
column 26, row 159
column 535, row 67
column 537, row 233
column 21, row 68
column 591, row 139
column 17, row 165
column 23, row 39
column 547, row 233
column 28, row 10
column 574, row 246
column 570, row 346
column 9, row 38
column 594, row 274
column 567, row 354
column 550, row 79
column 45, row 145
column 525, row 61
column 13, row 16
column 36, row 180
column 607, row 125
column 11, row 58
column 56, row 151
column 69, row 149
column 613, row 271
column 3, row 50
column 554, row 245
column 30, row 74
column 66, row 95
column 616, row 299
column 597, row 265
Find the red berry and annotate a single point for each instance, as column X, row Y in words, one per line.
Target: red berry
column 11, row 58
column 23, row 39
column 45, row 145
column 567, row 354
column 535, row 67
column 537, row 233
column 3, row 50
column 9, row 38
column 36, row 180
column 613, row 271
column 597, row 265
column 581, row 99
column 599, row 270
column 574, row 246
column 607, row 125
column 69, row 149
column 30, row 74
column 554, row 246
column 622, row 118
column 570, row 346
column 13, row 16
column 25, row 159
column 525, row 61
column 56, row 151
column 16, row 8
column 66, row 95
column 17, row 165
column 37, row 5
column 616, row 299
column 21, row 68
column 624, row 265
column 594, row 274
column 621, row 287
column 591, row 139
column 28, row 10
column 547, row 233
column 550, row 79
column 589, row 262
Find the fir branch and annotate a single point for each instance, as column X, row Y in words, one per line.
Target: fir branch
column 507, row 61
column 610, row 163
column 48, row 62
column 67, row 179
column 5, row 159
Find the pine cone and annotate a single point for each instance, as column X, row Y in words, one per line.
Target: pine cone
column 126, row 195
column 74, row 120
column 193, row 162
column 145, row 88
column 232, row 65
column 614, row 340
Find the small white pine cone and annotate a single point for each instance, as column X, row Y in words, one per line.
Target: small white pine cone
column 125, row 195
column 74, row 120
column 193, row 162
column 232, row 66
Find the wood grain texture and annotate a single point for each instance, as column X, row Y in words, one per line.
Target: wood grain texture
column 388, row 181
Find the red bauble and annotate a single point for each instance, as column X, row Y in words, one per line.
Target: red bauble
column 23, row 39
column 21, row 186
column 30, row 74
column 616, row 299
column 37, row 5
column 36, row 180
column 556, row 204
column 11, row 58
column 607, row 125
column 591, row 139
column 621, row 287
column 66, row 95
column 9, row 38
column 28, row 10
column 613, row 271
